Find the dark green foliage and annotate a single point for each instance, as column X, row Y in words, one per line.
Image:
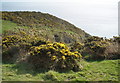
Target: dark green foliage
column 10, row 55
column 77, row 46
column 116, row 39
column 113, row 49
column 96, row 47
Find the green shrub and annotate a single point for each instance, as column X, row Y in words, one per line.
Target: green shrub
column 113, row 49
column 10, row 55
column 116, row 39
column 96, row 47
column 77, row 46
column 20, row 40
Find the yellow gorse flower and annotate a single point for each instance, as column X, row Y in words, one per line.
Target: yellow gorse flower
column 23, row 32
column 48, row 52
column 63, row 57
column 49, row 44
column 62, row 45
column 37, row 48
column 76, row 52
column 54, row 57
column 76, row 55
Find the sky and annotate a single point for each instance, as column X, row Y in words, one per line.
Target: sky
column 96, row 17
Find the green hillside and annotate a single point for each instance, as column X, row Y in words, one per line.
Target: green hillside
column 62, row 31
column 8, row 25
column 50, row 34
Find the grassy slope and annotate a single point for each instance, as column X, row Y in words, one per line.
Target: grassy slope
column 44, row 31
column 8, row 25
column 38, row 20
column 106, row 70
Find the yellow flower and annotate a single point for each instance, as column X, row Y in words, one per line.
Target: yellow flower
column 76, row 52
column 51, row 47
column 63, row 57
column 76, row 55
column 22, row 32
column 62, row 45
column 48, row 52
column 65, row 53
column 63, row 50
column 50, row 44
column 35, row 38
column 69, row 53
column 42, row 45
column 37, row 48
column 72, row 53
column 54, row 57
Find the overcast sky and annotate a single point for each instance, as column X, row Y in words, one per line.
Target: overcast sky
column 96, row 17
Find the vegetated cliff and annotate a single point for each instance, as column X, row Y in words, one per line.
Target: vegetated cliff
column 48, row 26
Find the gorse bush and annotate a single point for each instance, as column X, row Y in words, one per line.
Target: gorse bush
column 113, row 49
column 96, row 47
column 18, row 43
column 10, row 47
column 21, row 38
column 41, row 53
column 10, row 40
column 56, row 56
column 116, row 39
column 77, row 46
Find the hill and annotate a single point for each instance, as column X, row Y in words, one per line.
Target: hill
column 40, row 47
column 53, row 28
